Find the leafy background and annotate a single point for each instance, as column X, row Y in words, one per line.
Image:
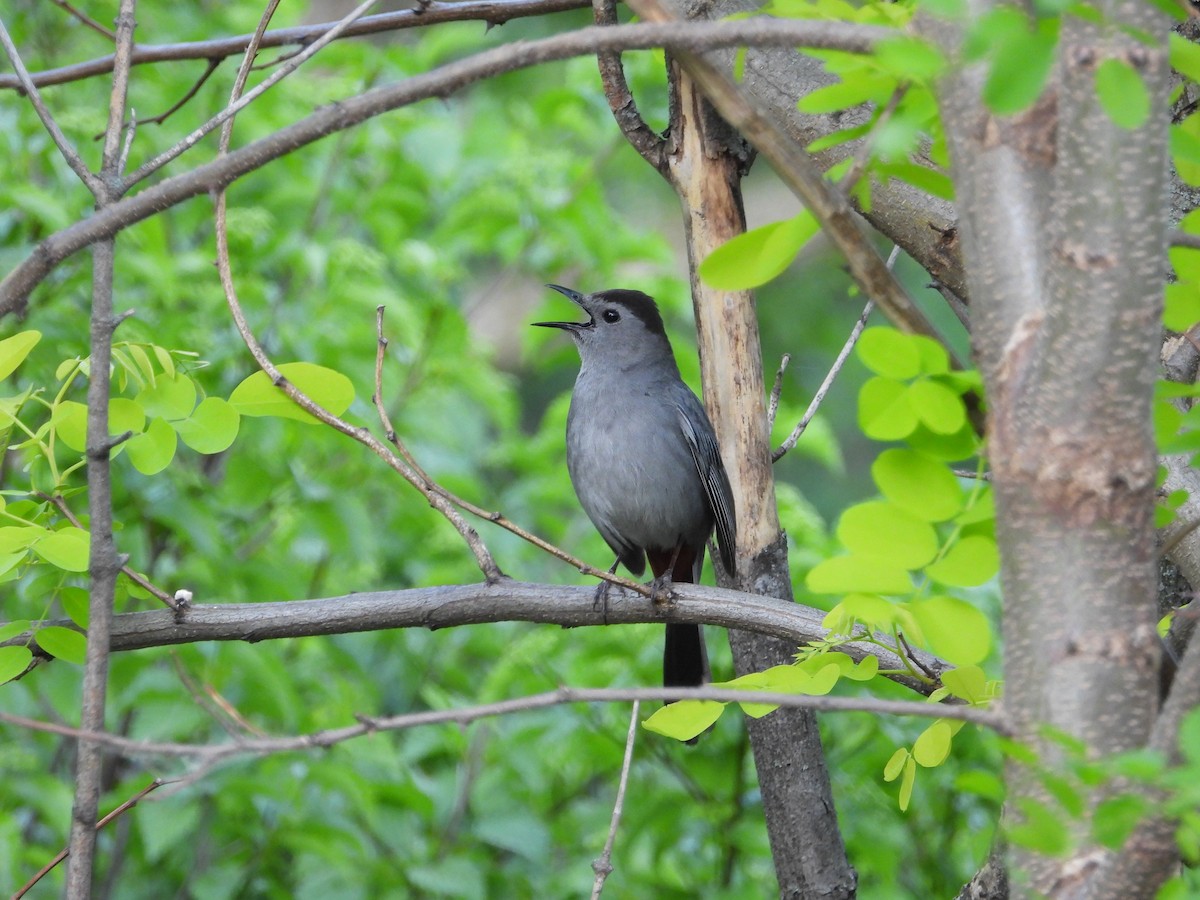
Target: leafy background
column 451, row 215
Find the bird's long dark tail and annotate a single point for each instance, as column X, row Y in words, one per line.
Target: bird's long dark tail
column 685, row 661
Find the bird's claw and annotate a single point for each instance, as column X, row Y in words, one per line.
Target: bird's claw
column 662, row 590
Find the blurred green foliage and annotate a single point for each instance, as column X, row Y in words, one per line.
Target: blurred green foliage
column 450, row 214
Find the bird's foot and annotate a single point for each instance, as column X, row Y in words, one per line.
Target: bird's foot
column 662, row 590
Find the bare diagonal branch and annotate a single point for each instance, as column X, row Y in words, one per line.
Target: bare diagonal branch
column 26, row 84
column 441, row 82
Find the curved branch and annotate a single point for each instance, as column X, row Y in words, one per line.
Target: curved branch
column 651, row 146
column 16, row 286
column 434, row 12
column 473, row 604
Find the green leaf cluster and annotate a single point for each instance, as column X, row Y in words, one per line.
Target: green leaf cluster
column 815, row 676
column 932, row 747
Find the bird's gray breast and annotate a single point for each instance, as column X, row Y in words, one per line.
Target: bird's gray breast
column 630, row 463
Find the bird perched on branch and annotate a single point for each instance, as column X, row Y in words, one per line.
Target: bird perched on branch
column 643, row 457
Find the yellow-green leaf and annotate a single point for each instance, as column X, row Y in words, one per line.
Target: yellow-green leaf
column 257, row 396
column 152, row 451
column 685, row 719
column 13, row 661
column 758, row 255
column 212, row 427
column 67, row 549
column 954, row 629
column 62, row 643
column 13, row 350
column 933, row 745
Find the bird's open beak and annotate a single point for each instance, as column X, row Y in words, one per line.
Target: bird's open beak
column 570, row 295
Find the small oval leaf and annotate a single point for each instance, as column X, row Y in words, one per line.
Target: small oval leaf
column 62, row 643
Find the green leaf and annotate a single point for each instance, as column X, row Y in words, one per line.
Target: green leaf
column 916, row 483
column 963, row 444
column 935, row 360
column 125, row 415
column 142, row 359
column 152, row 450
column 981, row 783
column 870, row 610
column 74, row 601
column 1122, row 93
column 1042, row 829
column 70, row 424
column 967, row 683
column 895, row 765
column 13, row 628
column 13, row 350
column 212, row 428
column 257, row 396
column 981, row 508
column 1185, row 56
column 20, row 537
column 685, row 719
column 1020, row 65
column 884, row 410
column 759, row 255
column 954, row 629
column 970, row 561
column 890, row 353
column 933, row 745
column 163, row 355
column 1185, row 148
column 939, row 408
column 848, row 574
column 67, row 549
column 62, row 643
column 843, row 95
column 907, row 782
column 14, row 661
column 910, row 58
column 169, row 398
column 1116, row 817
column 1181, row 309
column 884, row 531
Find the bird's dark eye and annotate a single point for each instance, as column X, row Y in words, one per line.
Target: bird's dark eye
column 610, row 315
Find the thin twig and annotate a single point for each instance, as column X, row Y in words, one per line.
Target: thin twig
column 493, row 12
column 483, row 557
column 603, row 866
column 85, row 19
column 68, row 151
column 365, row 725
column 819, row 396
column 132, row 575
column 238, row 100
column 777, row 391
column 192, row 91
column 63, row 853
column 420, row 479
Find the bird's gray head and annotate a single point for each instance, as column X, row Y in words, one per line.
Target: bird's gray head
column 624, row 329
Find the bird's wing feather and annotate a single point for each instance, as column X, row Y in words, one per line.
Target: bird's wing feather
column 702, row 443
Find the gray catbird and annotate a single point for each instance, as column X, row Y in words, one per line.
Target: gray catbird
column 643, row 457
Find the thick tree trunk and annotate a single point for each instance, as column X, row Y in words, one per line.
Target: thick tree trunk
column 1063, row 232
